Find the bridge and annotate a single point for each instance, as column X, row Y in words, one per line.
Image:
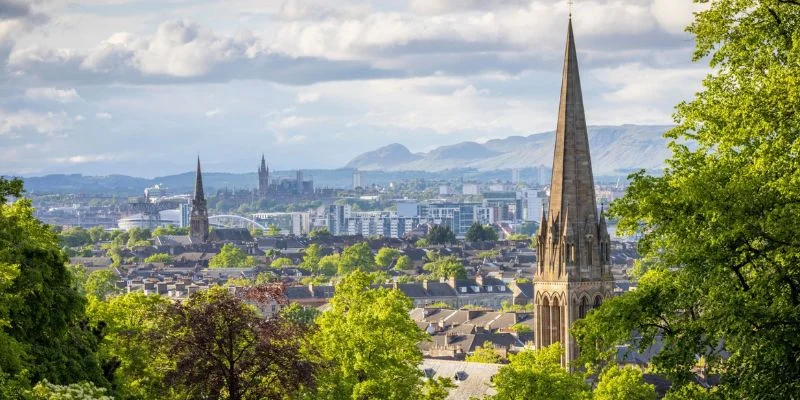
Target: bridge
column 234, row 221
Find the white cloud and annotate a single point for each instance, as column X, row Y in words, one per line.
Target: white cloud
column 470, row 91
column 79, row 118
column 50, row 123
column 637, row 84
column 103, row 115
column 81, row 159
column 284, row 138
column 293, row 121
column 307, row 98
column 214, row 113
column 63, row 96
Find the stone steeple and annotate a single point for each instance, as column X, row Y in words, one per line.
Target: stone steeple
column 263, row 178
column 571, row 272
column 199, row 218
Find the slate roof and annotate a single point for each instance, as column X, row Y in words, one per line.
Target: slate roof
column 476, row 377
column 173, row 240
column 239, row 235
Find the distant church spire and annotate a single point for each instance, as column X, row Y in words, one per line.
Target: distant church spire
column 199, row 218
column 573, row 244
column 263, row 178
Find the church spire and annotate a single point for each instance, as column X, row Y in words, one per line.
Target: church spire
column 572, row 187
column 198, row 183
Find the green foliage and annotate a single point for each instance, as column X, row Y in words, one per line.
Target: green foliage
column 439, row 235
column 129, row 322
column 508, row 307
column 720, row 225
column 439, row 304
column 319, row 233
column 281, row 262
column 421, row 243
column 480, row 233
column 521, row 328
column 485, row 354
column 138, row 237
column 329, row 265
column 311, row 258
column 692, row 391
column 488, row 254
column 445, row 267
column 385, row 256
column 537, row 374
column 623, row 383
column 101, row 283
column 40, row 309
column 159, row 258
column 518, row 237
column 273, row 230
column 45, row 390
column 169, row 230
column 299, row 314
column 365, row 360
column 230, row 256
column 403, row 263
column 437, row 388
column 356, row 257
column 75, row 237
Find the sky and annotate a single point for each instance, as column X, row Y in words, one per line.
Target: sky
column 141, row 87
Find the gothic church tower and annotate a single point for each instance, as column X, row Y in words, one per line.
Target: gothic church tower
column 263, row 179
column 198, row 220
column 571, row 274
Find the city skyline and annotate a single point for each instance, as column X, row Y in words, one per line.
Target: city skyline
column 293, row 78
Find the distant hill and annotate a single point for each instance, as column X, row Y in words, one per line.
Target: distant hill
column 615, row 150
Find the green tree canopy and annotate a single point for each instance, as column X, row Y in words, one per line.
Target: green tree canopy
column 485, row 354
column 41, row 309
column 403, row 263
column 281, row 262
column 230, row 256
column 385, row 256
column 480, row 233
column 623, row 383
column 356, row 257
column 538, row 374
column 445, row 267
column 720, row 225
column 329, row 265
column 159, row 258
column 439, row 235
column 128, row 323
column 366, row 362
column 101, row 283
column 311, row 258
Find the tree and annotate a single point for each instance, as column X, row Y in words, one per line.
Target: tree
column 364, row 361
column 485, row 354
column 222, row 348
column 385, row 256
column 159, row 258
column 45, row 390
column 273, row 230
column 439, row 235
column 299, row 314
column 623, row 383
column 537, row 374
column 480, row 233
column 445, row 267
column 169, row 230
column 98, row 234
column 403, row 263
column 230, row 256
column 101, row 283
column 437, row 388
column 40, row 307
column 311, row 258
column 719, row 227
column 356, row 257
column 128, row 323
column 329, row 265
column 75, row 237
column 319, row 233
column 281, row 262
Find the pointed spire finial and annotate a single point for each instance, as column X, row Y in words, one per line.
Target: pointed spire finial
column 570, row 8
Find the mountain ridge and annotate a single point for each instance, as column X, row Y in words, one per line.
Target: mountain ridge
column 615, row 150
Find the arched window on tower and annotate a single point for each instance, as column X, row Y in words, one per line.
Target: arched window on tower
column 597, row 301
column 583, row 308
